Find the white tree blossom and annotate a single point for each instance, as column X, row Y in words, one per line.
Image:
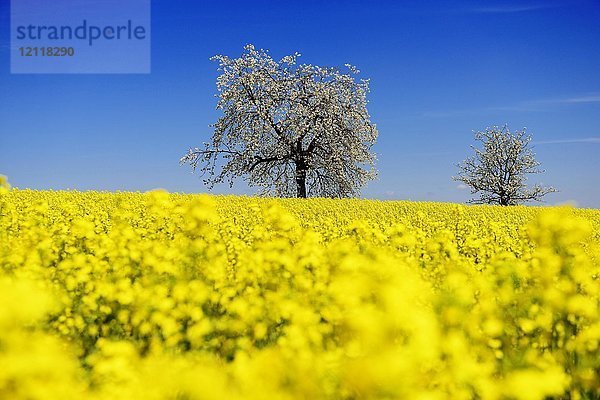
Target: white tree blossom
column 498, row 171
column 292, row 129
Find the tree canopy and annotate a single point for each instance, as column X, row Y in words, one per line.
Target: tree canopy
column 291, row 129
column 498, row 171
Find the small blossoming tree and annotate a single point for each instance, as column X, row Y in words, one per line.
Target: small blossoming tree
column 292, row 129
column 498, row 171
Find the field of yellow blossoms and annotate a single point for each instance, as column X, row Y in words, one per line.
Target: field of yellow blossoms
column 171, row 296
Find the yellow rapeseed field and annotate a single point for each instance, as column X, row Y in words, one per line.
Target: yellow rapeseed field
column 170, row 296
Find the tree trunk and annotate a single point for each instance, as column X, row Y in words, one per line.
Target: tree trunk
column 301, row 168
column 300, row 180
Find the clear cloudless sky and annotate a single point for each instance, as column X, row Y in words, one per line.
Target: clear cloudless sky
column 439, row 70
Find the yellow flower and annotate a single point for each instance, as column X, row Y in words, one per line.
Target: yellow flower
column 158, row 295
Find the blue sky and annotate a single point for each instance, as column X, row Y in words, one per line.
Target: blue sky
column 438, row 70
